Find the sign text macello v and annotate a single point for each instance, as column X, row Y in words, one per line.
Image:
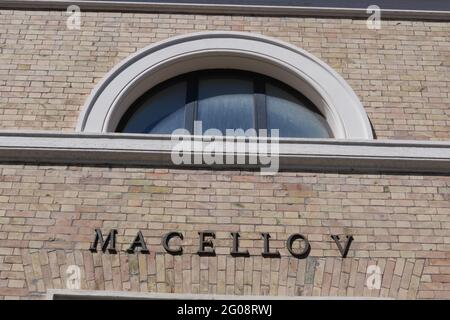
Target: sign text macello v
column 206, row 245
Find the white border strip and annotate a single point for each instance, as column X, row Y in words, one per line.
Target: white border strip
column 66, row 294
column 223, row 9
column 321, row 155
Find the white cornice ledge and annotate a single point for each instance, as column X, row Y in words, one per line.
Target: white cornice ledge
column 223, row 9
column 374, row 156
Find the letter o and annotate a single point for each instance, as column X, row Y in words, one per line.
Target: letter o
column 300, row 255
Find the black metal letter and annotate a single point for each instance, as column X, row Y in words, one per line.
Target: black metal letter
column 343, row 251
column 110, row 240
column 138, row 242
column 165, row 243
column 206, row 244
column 235, row 251
column 300, row 255
column 267, row 253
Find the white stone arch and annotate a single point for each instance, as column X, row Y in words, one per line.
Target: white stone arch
column 221, row 50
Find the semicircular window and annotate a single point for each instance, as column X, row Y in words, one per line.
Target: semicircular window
column 224, row 100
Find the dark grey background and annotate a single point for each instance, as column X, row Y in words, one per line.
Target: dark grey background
column 438, row 5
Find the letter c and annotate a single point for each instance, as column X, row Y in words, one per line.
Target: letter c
column 165, row 243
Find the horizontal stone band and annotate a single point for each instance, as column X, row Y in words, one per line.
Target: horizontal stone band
column 294, row 154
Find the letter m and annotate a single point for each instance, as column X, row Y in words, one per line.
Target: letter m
column 110, row 241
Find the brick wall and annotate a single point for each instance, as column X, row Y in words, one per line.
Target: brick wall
column 400, row 72
column 48, row 216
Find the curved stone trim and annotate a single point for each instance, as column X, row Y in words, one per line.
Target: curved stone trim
column 233, row 50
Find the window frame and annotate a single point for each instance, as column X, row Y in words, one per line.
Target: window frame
column 259, row 81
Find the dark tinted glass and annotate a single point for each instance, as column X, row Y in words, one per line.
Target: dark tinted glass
column 292, row 116
column 225, row 103
column 225, row 99
column 160, row 113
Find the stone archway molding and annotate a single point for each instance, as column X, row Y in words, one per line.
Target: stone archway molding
column 225, row 50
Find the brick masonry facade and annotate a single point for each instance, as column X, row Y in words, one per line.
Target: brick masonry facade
column 400, row 72
column 48, row 216
column 48, row 213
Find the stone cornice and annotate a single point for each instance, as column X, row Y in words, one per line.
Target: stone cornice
column 224, row 9
column 375, row 156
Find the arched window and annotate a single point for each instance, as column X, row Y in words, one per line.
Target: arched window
column 225, row 99
column 170, row 84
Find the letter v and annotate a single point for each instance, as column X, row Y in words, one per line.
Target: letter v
column 343, row 251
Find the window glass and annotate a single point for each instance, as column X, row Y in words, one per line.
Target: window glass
column 225, row 103
column 293, row 117
column 161, row 113
column 225, row 99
